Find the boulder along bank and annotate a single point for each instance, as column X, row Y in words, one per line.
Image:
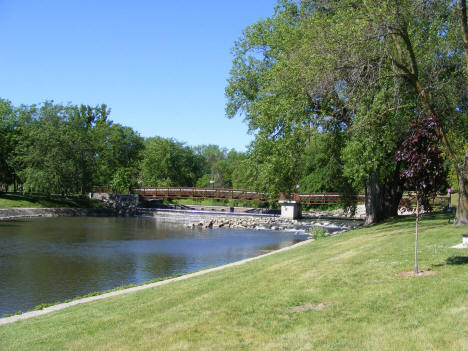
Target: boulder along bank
column 214, row 221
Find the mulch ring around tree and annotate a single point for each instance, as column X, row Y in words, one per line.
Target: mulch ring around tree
column 421, row 273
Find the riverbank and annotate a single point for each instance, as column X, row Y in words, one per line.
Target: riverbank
column 342, row 292
column 20, row 200
column 131, row 289
column 7, row 214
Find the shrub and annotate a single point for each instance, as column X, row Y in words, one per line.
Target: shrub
column 318, row 233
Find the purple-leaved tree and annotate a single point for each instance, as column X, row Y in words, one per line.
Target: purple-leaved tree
column 423, row 172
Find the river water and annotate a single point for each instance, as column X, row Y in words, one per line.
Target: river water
column 45, row 260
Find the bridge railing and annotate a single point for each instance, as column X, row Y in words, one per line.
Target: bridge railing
column 319, row 198
column 235, row 194
column 245, row 195
column 202, row 193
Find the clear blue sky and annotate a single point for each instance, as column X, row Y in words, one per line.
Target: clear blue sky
column 161, row 66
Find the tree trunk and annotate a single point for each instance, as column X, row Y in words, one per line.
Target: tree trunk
column 462, row 207
column 464, row 27
column 382, row 199
column 374, row 198
column 416, row 268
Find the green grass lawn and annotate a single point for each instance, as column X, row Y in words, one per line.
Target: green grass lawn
column 18, row 200
column 338, row 293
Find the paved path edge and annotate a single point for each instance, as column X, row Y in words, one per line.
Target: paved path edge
column 61, row 306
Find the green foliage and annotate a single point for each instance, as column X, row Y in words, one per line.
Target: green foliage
column 219, row 166
column 274, row 165
column 452, row 180
column 116, row 147
column 372, row 143
column 45, row 152
column 8, row 125
column 167, row 162
column 204, row 181
column 44, row 305
column 55, row 148
column 210, row 154
column 318, row 233
column 294, row 121
column 123, row 180
column 12, row 314
column 322, row 165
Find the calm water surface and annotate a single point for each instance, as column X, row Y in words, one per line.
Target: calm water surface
column 53, row 259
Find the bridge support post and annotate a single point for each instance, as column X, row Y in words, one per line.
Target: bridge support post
column 290, row 209
column 465, row 240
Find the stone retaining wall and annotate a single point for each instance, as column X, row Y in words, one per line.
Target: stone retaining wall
column 123, row 205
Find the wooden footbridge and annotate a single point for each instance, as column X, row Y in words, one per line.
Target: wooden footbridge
column 290, row 207
column 235, row 194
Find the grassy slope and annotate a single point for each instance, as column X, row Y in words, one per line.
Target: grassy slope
column 15, row 200
column 368, row 307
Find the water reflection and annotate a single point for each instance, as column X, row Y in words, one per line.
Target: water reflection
column 53, row 259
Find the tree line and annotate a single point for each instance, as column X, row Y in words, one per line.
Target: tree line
column 63, row 149
column 69, row 149
column 341, row 82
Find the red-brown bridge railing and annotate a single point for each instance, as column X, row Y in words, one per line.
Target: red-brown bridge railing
column 234, row 194
column 201, row 193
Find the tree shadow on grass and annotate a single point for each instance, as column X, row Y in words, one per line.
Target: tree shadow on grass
column 457, row 260
column 453, row 260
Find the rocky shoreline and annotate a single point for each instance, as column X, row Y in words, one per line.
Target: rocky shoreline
column 206, row 221
column 270, row 223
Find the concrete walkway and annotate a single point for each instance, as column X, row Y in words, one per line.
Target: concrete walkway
column 62, row 306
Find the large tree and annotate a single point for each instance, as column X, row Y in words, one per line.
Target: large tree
column 43, row 154
column 117, row 147
column 418, row 45
column 286, row 83
column 370, row 65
